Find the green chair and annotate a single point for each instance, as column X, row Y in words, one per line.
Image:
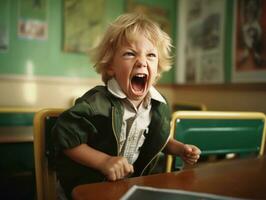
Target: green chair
column 218, row 133
column 17, row 177
column 44, row 120
column 177, row 106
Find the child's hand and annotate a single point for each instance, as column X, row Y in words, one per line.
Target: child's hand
column 190, row 154
column 116, row 168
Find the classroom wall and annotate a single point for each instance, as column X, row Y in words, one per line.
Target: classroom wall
column 46, row 57
column 42, row 92
column 221, row 98
column 39, row 74
column 60, row 92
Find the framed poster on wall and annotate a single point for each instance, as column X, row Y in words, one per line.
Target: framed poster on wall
column 156, row 13
column 32, row 22
column 200, row 41
column 83, row 24
column 249, row 63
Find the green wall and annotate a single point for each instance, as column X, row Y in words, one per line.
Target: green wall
column 46, row 57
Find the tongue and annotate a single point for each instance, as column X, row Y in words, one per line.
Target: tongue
column 137, row 84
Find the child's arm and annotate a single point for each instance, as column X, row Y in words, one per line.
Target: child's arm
column 113, row 167
column 188, row 153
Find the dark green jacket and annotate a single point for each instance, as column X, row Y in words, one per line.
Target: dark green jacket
column 96, row 120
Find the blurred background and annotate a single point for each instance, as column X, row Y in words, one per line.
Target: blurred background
column 219, row 52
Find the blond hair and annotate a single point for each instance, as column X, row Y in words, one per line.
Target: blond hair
column 123, row 29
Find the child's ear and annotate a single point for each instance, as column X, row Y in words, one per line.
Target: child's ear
column 110, row 71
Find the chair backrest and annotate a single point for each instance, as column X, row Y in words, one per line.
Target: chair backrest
column 177, row 106
column 16, row 151
column 44, row 120
column 218, row 133
column 16, row 138
column 16, row 124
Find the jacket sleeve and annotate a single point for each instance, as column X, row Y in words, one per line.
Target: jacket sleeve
column 73, row 127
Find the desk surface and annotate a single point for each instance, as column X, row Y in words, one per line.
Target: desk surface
column 243, row 178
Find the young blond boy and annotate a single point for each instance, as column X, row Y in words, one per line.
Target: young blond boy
column 118, row 130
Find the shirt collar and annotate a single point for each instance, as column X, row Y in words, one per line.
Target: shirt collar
column 114, row 88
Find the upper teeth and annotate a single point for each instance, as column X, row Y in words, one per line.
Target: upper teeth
column 140, row 75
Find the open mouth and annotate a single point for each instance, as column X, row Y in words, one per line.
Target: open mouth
column 138, row 83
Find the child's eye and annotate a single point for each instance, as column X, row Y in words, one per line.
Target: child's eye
column 128, row 54
column 152, row 55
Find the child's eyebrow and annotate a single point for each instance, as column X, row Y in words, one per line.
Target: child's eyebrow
column 128, row 49
column 131, row 48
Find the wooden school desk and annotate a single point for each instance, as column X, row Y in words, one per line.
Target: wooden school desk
column 242, row 178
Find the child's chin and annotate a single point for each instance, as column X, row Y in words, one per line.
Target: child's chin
column 139, row 94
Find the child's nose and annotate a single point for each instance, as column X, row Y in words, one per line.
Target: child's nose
column 141, row 62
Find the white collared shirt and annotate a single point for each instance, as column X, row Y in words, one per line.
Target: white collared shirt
column 135, row 120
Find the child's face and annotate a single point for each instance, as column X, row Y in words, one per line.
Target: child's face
column 134, row 66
